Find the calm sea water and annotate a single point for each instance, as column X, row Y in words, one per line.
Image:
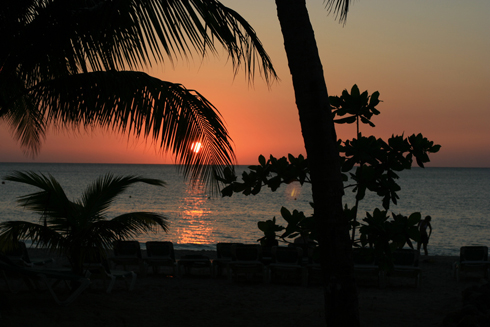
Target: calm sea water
column 458, row 199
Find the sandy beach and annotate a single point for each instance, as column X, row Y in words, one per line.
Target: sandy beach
column 160, row 300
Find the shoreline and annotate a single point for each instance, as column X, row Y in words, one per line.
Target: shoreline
column 207, row 301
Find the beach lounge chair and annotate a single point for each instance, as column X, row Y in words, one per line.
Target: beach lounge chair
column 365, row 265
column 286, row 265
column 193, row 264
column 224, row 257
column 266, row 254
column 98, row 269
column 472, row 259
column 406, row 264
column 161, row 254
column 19, row 255
column 35, row 277
column 246, row 264
column 128, row 253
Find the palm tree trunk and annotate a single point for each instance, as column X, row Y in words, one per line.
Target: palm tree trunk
column 341, row 302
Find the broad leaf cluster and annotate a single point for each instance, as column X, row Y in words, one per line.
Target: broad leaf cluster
column 385, row 235
column 271, row 173
column 367, row 163
column 381, row 161
column 355, row 105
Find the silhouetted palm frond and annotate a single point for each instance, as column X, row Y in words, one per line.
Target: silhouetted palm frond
column 136, row 103
column 74, row 227
column 51, row 202
column 12, row 231
column 339, row 7
column 99, row 195
column 63, row 62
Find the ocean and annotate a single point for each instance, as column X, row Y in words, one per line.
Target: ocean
column 457, row 199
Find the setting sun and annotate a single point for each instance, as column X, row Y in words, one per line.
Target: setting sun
column 196, row 147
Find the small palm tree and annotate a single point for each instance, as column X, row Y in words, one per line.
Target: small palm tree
column 73, row 227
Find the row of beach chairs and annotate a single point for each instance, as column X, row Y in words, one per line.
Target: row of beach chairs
column 236, row 261
column 280, row 263
column 246, row 262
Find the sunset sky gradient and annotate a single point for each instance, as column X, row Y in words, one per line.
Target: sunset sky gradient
column 428, row 59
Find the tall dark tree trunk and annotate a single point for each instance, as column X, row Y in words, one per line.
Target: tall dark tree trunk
column 341, row 302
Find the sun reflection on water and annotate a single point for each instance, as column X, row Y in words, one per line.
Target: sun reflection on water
column 195, row 214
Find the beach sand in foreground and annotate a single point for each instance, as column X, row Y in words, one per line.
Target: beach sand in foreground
column 203, row 301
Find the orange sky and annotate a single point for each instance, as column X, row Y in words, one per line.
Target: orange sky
column 428, row 60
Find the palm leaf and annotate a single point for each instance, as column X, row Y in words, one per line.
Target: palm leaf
column 126, row 226
column 80, row 36
column 27, row 127
column 136, row 103
column 339, row 7
column 99, row 196
column 51, row 202
column 141, row 222
column 48, row 40
column 25, row 122
column 12, row 231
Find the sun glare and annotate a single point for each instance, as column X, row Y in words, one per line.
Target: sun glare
column 196, row 147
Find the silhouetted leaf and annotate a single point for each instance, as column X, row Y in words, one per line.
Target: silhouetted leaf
column 346, row 120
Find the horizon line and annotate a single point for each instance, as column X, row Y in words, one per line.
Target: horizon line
column 174, row 164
